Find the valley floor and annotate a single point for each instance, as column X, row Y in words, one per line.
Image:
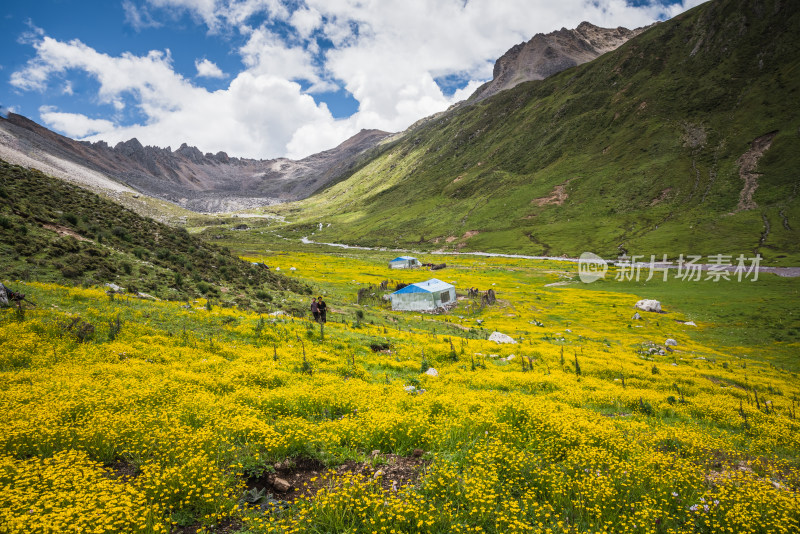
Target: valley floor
column 122, row 415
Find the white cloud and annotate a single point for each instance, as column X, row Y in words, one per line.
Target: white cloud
column 256, row 116
column 208, row 69
column 138, row 18
column 387, row 54
column 305, row 21
column 219, row 14
column 73, row 124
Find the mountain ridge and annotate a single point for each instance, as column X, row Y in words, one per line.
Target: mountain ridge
column 186, row 176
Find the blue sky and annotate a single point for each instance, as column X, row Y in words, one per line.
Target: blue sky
column 266, row 78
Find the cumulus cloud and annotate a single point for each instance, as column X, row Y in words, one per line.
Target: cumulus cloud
column 256, row 116
column 208, row 69
column 388, row 54
column 305, row 21
column 73, row 124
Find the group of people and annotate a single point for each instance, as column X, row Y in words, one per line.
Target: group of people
column 319, row 309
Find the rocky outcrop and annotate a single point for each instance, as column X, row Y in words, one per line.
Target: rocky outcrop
column 548, row 54
column 747, row 163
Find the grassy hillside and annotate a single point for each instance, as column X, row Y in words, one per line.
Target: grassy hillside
column 637, row 151
column 54, row 231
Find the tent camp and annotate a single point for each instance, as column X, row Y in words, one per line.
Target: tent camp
column 424, row 296
column 404, row 262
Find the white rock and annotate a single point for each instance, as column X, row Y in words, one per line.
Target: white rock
column 278, row 313
column 671, row 343
column 432, row 372
column 409, row 388
column 115, row 287
column 292, row 268
column 648, row 305
column 690, row 323
column 636, row 317
column 497, row 337
column 510, row 357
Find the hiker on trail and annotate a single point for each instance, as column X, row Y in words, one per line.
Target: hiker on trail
column 323, row 309
column 315, row 309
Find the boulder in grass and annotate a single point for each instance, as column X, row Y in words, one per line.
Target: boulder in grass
column 671, row 343
column 497, row 337
column 648, row 305
column 281, row 485
column 432, row 372
column 636, row 317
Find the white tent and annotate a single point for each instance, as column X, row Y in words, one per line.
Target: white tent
column 404, row 262
column 424, row 296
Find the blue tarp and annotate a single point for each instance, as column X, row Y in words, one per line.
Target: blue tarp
column 429, row 286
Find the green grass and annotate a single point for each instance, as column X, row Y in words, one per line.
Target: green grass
column 753, row 320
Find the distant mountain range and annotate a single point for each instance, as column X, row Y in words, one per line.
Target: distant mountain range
column 216, row 182
column 186, row 176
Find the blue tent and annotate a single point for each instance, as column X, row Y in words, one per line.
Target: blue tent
column 424, row 296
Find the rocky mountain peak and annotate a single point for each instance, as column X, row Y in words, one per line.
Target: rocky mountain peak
column 548, row 54
column 192, row 153
column 131, row 148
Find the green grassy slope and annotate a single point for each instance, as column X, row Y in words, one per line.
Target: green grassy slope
column 56, row 232
column 634, row 151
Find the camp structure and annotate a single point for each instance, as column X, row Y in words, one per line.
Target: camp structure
column 404, row 262
column 424, row 296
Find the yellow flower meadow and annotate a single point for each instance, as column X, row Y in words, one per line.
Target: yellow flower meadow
column 576, row 428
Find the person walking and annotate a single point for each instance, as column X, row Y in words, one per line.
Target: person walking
column 323, row 310
column 315, row 309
